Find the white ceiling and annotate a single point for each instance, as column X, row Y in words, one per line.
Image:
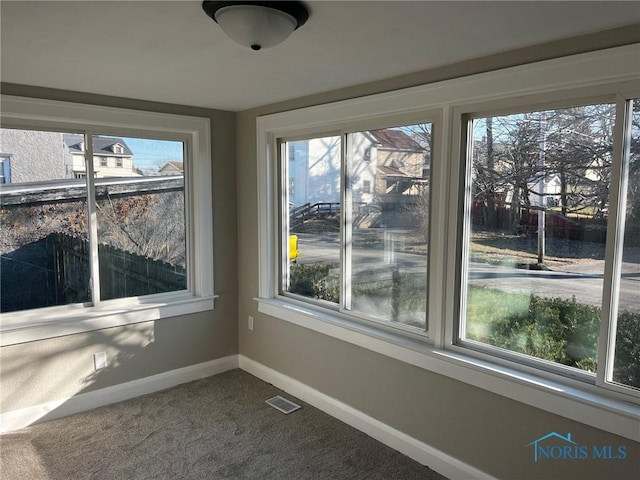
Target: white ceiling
column 172, row 52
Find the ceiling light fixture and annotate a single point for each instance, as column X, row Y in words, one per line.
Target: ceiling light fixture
column 257, row 25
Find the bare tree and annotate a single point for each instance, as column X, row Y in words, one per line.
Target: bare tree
column 151, row 225
column 519, row 153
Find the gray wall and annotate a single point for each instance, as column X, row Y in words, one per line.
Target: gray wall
column 47, row 370
column 35, row 156
column 485, row 430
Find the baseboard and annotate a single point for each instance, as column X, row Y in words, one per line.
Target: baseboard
column 82, row 402
column 435, row 459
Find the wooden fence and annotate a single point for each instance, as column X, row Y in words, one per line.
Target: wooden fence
column 122, row 273
column 125, row 274
column 56, row 271
column 584, row 229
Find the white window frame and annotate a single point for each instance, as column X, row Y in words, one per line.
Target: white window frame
column 613, row 251
column 49, row 322
column 595, row 74
column 358, row 319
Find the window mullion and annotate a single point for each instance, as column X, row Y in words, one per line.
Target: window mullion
column 187, row 149
column 458, row 331
column 615, row 236
column 268, row 237
column 437, row 268
column 92, row 212
column 346, row 227
column 283, row 207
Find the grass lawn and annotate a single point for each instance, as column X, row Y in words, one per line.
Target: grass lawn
column 495, row 247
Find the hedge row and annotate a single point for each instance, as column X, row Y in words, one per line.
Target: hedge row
column 562, row 331
column 559, row 330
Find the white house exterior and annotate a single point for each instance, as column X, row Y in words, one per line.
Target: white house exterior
column 545, row 192
column 382, row 162
column 111, row 157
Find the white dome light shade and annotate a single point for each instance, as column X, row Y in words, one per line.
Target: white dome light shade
column 257, row 25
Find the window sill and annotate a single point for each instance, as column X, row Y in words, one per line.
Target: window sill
column 555, row 396
column 41, row 324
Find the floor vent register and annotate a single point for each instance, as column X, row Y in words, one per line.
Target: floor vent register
column 282, row 404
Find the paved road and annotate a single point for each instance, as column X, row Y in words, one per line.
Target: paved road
column 584, row 281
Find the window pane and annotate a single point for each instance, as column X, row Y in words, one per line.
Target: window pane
column 539, row 207
column 627, row 355
column 389, row 190
column 312, row 195
column 43, row 222
column 141, row 216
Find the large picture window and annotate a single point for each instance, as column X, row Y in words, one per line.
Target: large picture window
column 86, row 238
column 357, row 223
column 550, row 241
column 539, row 200
column 45, row 240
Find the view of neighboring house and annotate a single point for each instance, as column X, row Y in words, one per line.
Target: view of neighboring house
column 401, row 162
column 542, row 192
column 384, row 164
column 111, row 157
column 172, row 168
column 545, row 192
column 568, row 181
column 35, row 156
column 314, row 171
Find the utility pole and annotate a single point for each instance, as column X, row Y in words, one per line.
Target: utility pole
column 542, row 144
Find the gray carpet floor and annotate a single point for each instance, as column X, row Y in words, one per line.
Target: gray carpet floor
column 215, row 428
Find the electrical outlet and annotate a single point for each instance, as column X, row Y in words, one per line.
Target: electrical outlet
column 100, row 360
column 250, row 323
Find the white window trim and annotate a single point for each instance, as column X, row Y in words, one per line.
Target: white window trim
column 614, row 248
column 593, row 74
column 343, row 307
column 42, row 323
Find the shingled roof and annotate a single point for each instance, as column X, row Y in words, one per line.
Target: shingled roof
column 101, row 145
column 395, row 139
column 175, row 165
column 391, row 171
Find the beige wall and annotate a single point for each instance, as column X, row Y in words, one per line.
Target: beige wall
column 47, row 370
column 485, row 430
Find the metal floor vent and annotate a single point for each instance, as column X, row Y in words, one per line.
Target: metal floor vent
column 282, row 404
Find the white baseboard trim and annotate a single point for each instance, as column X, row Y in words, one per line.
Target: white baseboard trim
column 82, row 402
column 421, row 452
